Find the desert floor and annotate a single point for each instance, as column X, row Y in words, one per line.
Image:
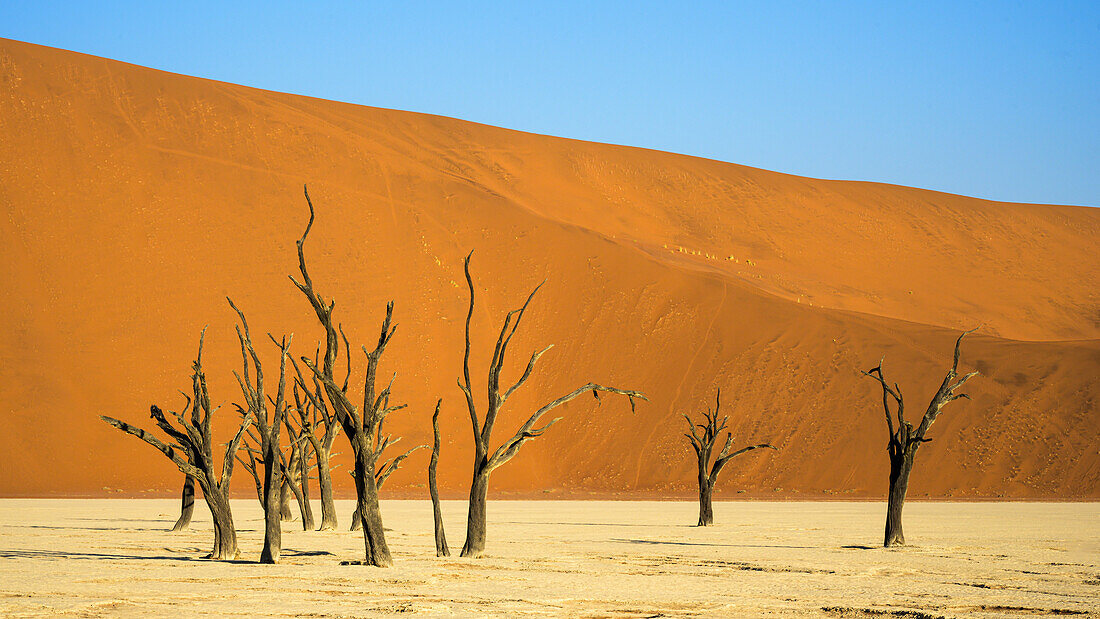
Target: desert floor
column 112, row 557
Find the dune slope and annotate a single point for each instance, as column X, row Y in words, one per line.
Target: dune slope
column 136, row 200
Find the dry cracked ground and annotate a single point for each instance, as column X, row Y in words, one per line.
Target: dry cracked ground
column 115, row 557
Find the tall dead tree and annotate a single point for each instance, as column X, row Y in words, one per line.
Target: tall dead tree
column 485, row 461
column 360, row 425
column 441, row 549
column 269, row 424
column 703, row 437
column 191, row 449
column 904, row 439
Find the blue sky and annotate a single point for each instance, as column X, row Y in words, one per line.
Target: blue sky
column 998, row 100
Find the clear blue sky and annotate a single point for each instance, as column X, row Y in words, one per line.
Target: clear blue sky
column 999, row 100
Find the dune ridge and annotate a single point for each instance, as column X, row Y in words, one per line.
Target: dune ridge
column 137, row 200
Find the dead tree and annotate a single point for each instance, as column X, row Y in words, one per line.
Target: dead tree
column 360, row 425
column 187, row 505
column 484, row 460
column 290, row 473
column 383, row 472
column 904, row 440
column 269, row 425
column 191, row 449
column 187, row 500
column 702, row 437
column 296, row 471
column 321, row 446
column 441, row 549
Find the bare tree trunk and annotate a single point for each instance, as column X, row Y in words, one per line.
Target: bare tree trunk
column 706, row 510
column 900, row 467
column 292, row 475
column 303, row 500
column 324, row 480
column 273, row 526
column 374, row 539
column 284, row 503
column 188, row 504
column 441, row 549
column 225, row 534
column 475, row 519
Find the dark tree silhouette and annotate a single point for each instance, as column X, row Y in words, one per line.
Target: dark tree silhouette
column 904, row 440
column 191, row 449
column 441, row 549
column 360, row 425
column 703, row 444
column 485, row 461
column 269, row 424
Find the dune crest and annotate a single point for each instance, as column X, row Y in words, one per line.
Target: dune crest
column 136, row 200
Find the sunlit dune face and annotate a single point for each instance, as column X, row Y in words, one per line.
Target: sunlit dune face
column 136, row 201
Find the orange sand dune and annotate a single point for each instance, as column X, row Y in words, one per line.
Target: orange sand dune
column 136, row 200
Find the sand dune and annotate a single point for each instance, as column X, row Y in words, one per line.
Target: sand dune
column 136, row 200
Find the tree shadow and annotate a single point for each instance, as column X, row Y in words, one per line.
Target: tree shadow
column 63, row 554
column 305, row 553
column 860, row 547
column 671, row 543
column 55, row 528
column 599, row 524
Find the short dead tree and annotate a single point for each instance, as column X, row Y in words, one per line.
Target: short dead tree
column 703, row 437
column 486, row 461
column 441, row 549
column 360, row 425
column 904, row 439
column 296, row 470
column 192, row 451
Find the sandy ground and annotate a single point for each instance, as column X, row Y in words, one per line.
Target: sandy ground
column 104, row 557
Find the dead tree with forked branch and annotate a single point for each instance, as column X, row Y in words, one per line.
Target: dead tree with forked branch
column 360, row 424
column 269, row 425
column 703, row 437
column 486, row 461
column 904, row 439
column 191, row 449
column 383, row 471
column 290, row 470
column 441, row 549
